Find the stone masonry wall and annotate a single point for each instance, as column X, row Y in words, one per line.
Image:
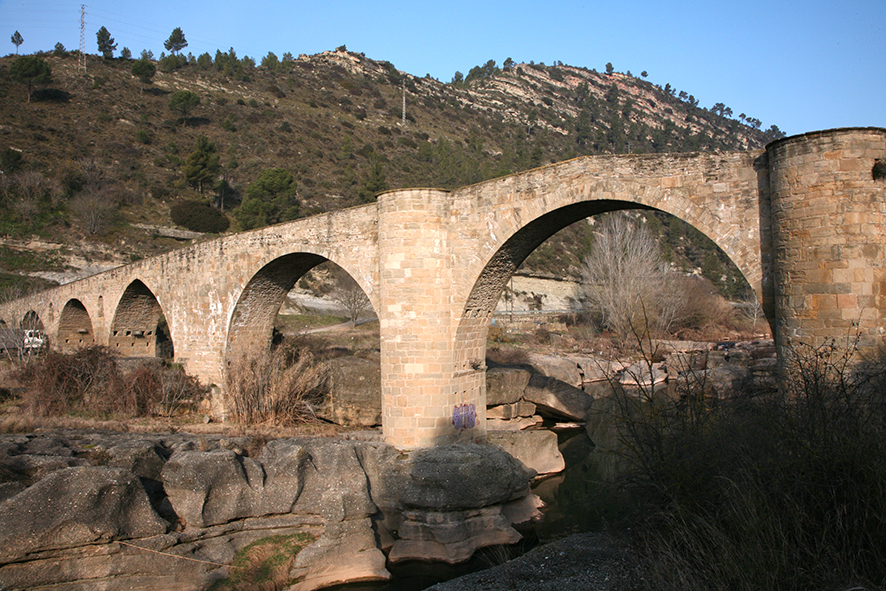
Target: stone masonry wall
column 829, row 243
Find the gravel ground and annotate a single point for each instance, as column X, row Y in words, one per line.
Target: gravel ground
column 587, row 562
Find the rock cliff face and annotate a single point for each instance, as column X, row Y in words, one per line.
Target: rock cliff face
column 170, row 512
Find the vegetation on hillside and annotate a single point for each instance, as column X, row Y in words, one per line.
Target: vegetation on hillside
column 126, row 139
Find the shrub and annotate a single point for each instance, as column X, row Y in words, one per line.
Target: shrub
column 199, row 217
column 278, row 388
column 89, row 382
column 764, row 491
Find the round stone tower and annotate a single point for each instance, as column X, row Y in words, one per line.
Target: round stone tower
column 828, row 202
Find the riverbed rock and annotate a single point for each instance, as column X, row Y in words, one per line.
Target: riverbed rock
column 450, row 536
column 353, row 394
column 345, row 553
column 505, row 385
column 536, row 449
column 564, row 369
column 557, row 399
column 521, row 408
column 73, row 507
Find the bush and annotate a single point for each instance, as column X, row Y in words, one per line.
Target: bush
column 89, row 382
column 279, row 388
column 199, row 217
column 764, row 491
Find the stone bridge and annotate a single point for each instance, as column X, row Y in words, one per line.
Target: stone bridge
column 802, row 219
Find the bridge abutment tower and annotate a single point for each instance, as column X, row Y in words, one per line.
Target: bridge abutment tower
column 828, row 237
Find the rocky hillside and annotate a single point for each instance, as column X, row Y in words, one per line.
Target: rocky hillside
column 97, row 159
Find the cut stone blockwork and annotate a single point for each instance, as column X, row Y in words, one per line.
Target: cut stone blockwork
column 803, row 220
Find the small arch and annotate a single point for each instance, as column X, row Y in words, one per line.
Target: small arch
column 74, row 327
column 136, row 329
column 31, row 321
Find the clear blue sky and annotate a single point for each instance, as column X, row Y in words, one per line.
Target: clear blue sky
column 803, row 65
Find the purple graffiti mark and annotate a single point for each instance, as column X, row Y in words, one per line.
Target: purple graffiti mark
column 464, row 416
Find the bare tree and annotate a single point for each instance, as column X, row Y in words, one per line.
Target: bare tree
column 349, row 294
column 626, row 279
column 30, row 193
column 96, row 208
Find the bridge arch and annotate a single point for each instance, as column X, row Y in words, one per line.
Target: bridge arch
column 139, row 327
column 31, row 320
column 252, row 320
column 74, row 327
column 518, row 237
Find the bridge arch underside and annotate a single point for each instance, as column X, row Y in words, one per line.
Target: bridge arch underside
column 251, row 327
column 139, row 328
column 479, row 307
column 74, row 327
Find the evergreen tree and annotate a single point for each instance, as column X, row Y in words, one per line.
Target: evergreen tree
column 176, row 41
column 183, row 101
column 375, row 182
column 106, row 45
column 144, row 70
column 30, row 70
column 201, row 165
column 270, row 199
column 17, row 40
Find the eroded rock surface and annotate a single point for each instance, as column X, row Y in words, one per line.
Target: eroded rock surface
column 101, row 526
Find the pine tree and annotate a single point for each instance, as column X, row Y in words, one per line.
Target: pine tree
column 176, row 41
column 17, row 40
column 106, row 45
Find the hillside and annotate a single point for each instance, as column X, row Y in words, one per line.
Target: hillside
column 94, row 153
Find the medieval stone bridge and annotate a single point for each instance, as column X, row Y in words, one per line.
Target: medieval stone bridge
column 802, row 219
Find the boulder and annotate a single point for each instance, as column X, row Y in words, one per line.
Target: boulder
column 505, row 385
column 140, row 457
column 557, row 399
column 536, row 449
column 210, row 488
column 73, row 507
column 643, row 374
column 450, row 536
column 353, row 394
column 521, row 408
column 516, row 424
column 336, row 485
column 594, row 369
column 463, row 476
column 345, row 553
column 728, row 380
column 564, row 369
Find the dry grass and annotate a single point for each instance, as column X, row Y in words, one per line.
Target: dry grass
column 265, row 564
column 764, row 491
column 276, row 388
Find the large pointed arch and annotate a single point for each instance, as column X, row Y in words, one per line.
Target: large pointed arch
column 251, row 326
column 489, row 283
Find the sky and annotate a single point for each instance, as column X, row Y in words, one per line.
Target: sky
column 803, row 65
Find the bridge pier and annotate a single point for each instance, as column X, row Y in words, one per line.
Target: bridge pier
column 828, row 238
column 420, row 388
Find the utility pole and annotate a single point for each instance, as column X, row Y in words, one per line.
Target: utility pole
column 404, row 101
column 81, row 64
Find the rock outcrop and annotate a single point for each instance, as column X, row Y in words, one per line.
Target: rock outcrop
column 101, row 526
